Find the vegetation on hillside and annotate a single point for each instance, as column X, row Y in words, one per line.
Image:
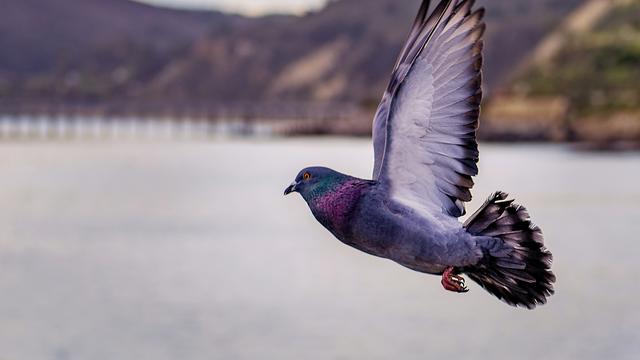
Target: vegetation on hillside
column 598, row 71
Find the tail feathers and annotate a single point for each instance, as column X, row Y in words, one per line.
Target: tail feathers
column 516, row 267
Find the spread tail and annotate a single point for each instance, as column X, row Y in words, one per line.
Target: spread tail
column 516, row 267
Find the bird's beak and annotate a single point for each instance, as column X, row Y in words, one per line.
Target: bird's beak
column 291, row 188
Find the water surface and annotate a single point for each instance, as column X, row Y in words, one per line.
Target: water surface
column 170, row 250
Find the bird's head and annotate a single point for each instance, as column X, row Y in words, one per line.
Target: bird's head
column 313, row 181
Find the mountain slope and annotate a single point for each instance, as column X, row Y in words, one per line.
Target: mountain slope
column 342, row 52
column 590, row 68
column 88, row 49
column 32, row 32
column 96, row 50
column 597, row 68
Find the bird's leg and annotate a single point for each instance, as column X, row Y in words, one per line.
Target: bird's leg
column 453, row 282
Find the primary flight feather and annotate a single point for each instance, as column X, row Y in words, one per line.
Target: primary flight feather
column 424, row 137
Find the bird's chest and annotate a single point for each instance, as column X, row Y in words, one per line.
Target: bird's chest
column 335, row 210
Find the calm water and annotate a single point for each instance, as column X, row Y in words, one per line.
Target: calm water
column 189, row 251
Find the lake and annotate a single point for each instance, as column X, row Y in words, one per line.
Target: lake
column 188, row 250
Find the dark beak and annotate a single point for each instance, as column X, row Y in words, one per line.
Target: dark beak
column 291, row 188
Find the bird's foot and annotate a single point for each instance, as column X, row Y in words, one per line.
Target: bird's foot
column 453, row 282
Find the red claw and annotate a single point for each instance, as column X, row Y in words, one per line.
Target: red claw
column 453, row 282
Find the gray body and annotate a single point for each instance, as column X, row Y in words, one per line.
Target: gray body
column 385, row 228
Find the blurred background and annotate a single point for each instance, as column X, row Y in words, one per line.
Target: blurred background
column 144, row 148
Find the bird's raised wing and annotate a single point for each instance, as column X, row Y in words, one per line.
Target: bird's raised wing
column 425, row 127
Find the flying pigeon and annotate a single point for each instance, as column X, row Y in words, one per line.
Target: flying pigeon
column 424, row 138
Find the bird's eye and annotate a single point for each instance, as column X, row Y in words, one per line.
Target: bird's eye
column 306, row 176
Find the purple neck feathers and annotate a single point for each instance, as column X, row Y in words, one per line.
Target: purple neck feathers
column 334, row 208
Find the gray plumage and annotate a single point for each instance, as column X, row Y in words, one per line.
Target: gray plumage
column 424, row 136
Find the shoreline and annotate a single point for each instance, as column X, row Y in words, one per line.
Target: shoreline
column 97, row 126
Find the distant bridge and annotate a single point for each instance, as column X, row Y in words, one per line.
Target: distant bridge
column 32, row 120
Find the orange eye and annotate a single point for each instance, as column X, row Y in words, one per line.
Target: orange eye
column 306, row 176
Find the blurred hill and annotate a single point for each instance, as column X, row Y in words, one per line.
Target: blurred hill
column 344, row 52
column 590, row 69
column 86, row 49
column 105, row 50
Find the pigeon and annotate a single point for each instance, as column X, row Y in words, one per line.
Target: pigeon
column 425, row 158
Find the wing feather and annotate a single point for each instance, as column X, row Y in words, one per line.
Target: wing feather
column 425, row 127
column 422, row 27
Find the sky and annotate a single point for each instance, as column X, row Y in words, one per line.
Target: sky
column 247, row 7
